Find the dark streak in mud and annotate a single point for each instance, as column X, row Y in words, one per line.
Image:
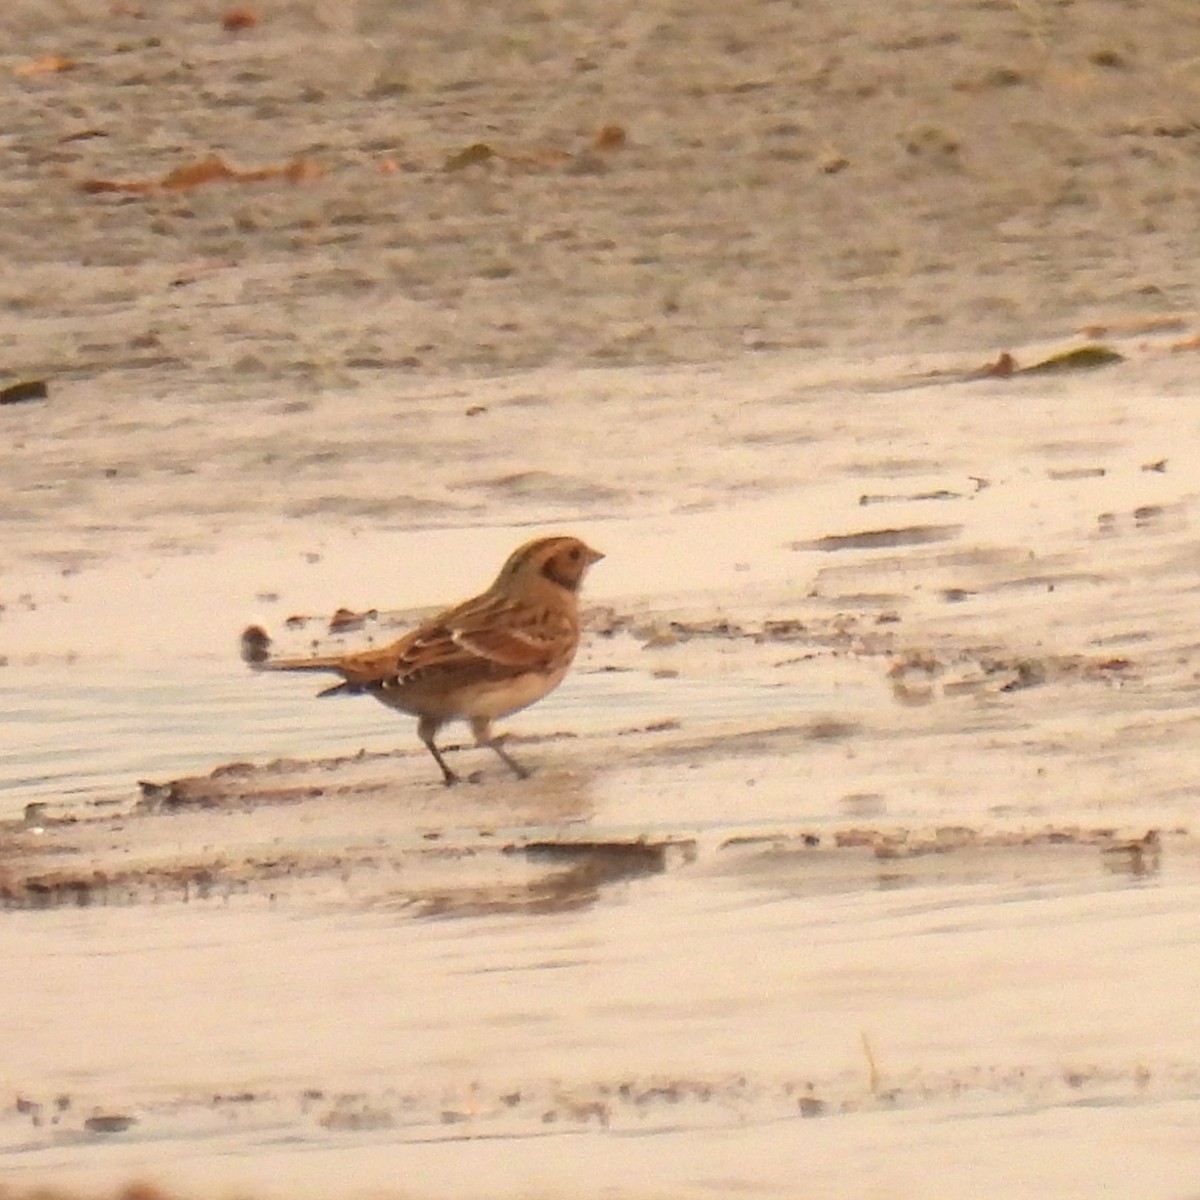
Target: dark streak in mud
column 878, row 539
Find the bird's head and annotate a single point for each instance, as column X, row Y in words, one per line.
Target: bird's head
column 562, row 560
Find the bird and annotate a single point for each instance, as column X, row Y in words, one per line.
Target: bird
column 479, row 661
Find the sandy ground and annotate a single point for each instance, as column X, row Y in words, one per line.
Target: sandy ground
column 860, row 858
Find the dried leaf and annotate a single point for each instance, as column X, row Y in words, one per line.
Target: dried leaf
column 1002, row 368
column 48, row 64
column 477, row 152
column 539, row 158
column 93, row 186
column 19, row 393
column 109, row 1123
column 208, row 170
column 191, row 175
column 300, row 170
column 256, row 644
column 1082, row 358
column 609, row 137
column 346, row 619
column 239, row 18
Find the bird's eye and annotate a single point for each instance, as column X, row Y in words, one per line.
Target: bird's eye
column 575, row 554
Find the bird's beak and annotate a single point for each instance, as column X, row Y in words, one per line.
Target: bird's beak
column 594, row 556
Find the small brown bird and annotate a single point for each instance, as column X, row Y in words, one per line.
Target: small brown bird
column 484, row 659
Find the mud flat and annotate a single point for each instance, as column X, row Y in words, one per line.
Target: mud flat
column 891, row 870
column 860, row 857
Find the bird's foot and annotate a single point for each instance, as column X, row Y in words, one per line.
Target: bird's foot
column 507, row 759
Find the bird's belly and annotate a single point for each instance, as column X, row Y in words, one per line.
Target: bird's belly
column 510, row 697
column 478, row 700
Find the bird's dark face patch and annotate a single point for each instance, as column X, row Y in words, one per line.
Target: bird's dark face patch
column 567, row 562
column 562, row 560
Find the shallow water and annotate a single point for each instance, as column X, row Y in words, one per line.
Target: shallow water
column 82, row 734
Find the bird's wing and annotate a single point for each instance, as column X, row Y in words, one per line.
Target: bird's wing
column 525, row 637
column 489, row 638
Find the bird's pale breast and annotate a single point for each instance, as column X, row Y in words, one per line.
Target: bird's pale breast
column 485, row 699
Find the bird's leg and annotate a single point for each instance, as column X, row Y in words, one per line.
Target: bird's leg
column 482, row 730
column 426, row 729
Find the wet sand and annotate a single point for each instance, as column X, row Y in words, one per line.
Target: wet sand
column 878, row 810
column 860, row 854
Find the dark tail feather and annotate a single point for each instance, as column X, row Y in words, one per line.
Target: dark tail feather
column 345, row 688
